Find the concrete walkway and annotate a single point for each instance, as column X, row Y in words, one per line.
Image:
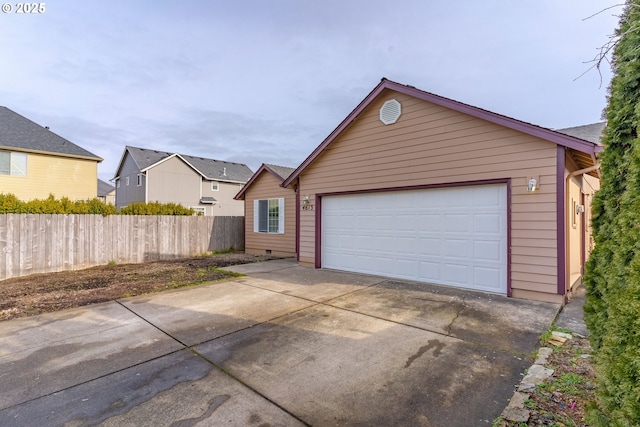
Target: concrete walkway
column 572, row 315
column 284, row 345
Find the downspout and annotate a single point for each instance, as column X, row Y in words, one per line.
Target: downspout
column 568, row 218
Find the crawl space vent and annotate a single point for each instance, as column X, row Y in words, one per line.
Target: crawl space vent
column 390, row 112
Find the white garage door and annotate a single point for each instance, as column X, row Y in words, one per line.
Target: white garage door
column 450, row 236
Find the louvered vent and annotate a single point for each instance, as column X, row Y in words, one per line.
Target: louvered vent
column 390, row 112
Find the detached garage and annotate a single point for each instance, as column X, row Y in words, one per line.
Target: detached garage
column 415, row 186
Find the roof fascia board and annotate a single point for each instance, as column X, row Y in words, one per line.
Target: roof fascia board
column 159, row 162
column 530, row 129
column 273, row 172
column 262, row 168
column 189, row 164
column 119, row 168
column 342, row 126
column 49, row 153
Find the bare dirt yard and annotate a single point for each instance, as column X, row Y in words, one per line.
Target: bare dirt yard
column 42, row 293
column 564, row 399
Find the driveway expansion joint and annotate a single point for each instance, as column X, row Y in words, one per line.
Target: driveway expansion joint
column 152, row 324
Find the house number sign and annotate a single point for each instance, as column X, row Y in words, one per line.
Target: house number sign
column 307, row 207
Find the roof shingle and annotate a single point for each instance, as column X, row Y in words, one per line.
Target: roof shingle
column 209, row 168
column 20, row 133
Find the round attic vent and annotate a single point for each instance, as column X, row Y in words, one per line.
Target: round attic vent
column 390, row 112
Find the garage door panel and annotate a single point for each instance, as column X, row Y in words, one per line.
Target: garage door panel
column 430, row 222
column 409, row 268
column 407, row 246
column 491, row 196
column 457, row 223
column 451, row 236
column 487, row 223
column 487, row 251
column 457, row 274
column 456, row 249
column 431, row 246
column 431, row 269
column 486, row 277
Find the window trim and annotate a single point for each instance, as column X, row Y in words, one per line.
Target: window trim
column 261, row 220
column 126, row 181
column 217, row 184
column 13, row 160
column 139, row 178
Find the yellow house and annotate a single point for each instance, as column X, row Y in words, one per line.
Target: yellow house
column 35, row 162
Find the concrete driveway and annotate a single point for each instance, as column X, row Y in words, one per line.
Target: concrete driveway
column 283, row 346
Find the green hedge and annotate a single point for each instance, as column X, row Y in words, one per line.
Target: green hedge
column 10, row 204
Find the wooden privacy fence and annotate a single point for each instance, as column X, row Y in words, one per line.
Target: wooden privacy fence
column 44, row 243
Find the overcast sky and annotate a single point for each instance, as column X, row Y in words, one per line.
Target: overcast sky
column 267, row 80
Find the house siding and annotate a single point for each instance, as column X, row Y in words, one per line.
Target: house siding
column 131, row 193
column 225, row 205
column 173, row 181
column 68, row 177
column 267, row 186
column 432, row 145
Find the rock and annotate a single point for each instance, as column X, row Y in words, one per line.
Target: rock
column 557, row 334
column 518, row 399
column 543, row 356
column 516, row 414
column 536, row 375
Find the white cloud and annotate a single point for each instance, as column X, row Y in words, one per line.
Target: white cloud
column 267, row 80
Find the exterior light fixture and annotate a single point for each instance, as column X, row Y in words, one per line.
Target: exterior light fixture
column 533, row 185
column 305, row 200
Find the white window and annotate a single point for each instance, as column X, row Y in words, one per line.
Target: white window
column 215, row 185
column 199, row 210
column 13, row 163
column 118, row 183
column 126, row 181
column 139, row 179
column 268, row 216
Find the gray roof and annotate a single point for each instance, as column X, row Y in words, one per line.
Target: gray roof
column 210, row 200
column 20, row 133
column 283, row 171
column 592, row 132
column 210, row 168
column 104, row 188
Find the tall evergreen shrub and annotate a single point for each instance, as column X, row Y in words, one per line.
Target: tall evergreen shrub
column 612, row 276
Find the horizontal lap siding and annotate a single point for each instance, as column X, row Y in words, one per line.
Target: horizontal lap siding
column 433, row 145
column 267, row 186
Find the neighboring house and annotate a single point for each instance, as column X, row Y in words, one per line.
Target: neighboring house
column 270, row 216
column 415, row 186
column 206, row 185
column 106, row 192
column 35, row 162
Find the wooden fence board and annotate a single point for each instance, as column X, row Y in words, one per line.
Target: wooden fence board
column 31, row 243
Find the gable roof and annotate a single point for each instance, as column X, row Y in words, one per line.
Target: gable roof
column 565, row 140
column 592, row 132
column 104, row 188
column 280, row 172
column 21, row 134
column 211, row 169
